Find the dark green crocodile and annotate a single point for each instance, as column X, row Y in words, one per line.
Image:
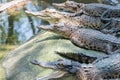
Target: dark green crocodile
column 107, row 67
column 109, row 2
column 54, row 16
column 92, row 9
column 80, row 57
column 86, row 38
column 112, row 24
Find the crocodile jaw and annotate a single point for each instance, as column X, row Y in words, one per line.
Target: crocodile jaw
column 68, row 6
column 46, row 27
column 42, row 15
column 64, row 7
column 52, row 27
column 59, row 6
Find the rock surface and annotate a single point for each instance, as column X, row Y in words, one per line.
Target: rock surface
column 41, row 47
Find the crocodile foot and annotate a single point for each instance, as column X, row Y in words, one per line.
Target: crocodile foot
column 77, row 14
column 105, row 26
column 113, row 31
column 109, row 2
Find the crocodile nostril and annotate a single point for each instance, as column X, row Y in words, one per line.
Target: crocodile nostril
column 86, row 70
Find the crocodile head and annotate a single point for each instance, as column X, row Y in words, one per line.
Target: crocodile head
column 60, row 28
column 88, row 72
column 69, row 5
column 50, row 15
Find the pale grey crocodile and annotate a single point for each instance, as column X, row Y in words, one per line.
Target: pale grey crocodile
column 85, row 38
column 107, row 67
column 80, row 57
column 92, row 9
column 54, row 16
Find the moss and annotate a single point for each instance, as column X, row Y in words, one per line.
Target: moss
column 2, row 73
column 40, row 47
column 4, row 49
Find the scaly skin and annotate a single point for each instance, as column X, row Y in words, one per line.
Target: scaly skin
column 104, row 68
column 54, row 16
column 62, row 65
column 92, row 9
column 109, row 66
column 86, row 38
column 112, row 24
column 109, row 2
column 82, row 58
column 104, row 62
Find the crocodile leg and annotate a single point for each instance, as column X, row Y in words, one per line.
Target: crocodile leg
column 77, row 14
column 114, row 30
column 109, row 49
column 109, row 2
column 63, row 65
column 106, row 25
column 108, row 20
column 103, row 16
column 117, row 51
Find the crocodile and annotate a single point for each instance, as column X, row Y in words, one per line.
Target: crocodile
column 80, row 57
column 54, row 16
column 86, row 38
column 107, row 67
column 92, row 9
column 109, row 2
column 112, row 25
column 15, row 4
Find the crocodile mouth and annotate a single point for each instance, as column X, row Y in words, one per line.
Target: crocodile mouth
column 46, row 27
column 37, row 14
column 65, row 7
column 59, row 6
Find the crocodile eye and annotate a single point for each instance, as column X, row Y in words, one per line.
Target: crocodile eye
column 90, row 67
column 71, row 4
column 84, row 67
column 54, row 12
column 46, row 11
column 60, row 64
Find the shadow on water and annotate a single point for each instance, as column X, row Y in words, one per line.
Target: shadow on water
column 17, row 27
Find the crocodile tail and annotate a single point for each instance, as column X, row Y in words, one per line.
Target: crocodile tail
column 82, row 58
column 104, row 14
